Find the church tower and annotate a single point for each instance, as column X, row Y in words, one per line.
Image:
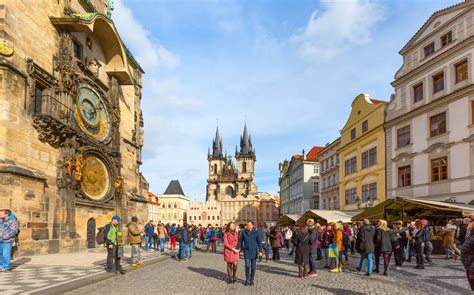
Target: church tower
column 217, row 163
column 245, row 164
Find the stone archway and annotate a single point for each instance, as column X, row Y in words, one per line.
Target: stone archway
column 91, row 231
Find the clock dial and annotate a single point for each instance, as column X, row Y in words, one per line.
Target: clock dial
column 95, row 178
column 91, row 114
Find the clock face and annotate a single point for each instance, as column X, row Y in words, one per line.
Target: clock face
column 95, row 178
column 91, row 114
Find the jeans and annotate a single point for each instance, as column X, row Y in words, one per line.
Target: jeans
column 6, row 253
column 189, row 248
column 276, row 254
column 250, row 267
column 196, row 243
column 326, row 256
column 183, row 251
column 148, row 242
column 312, row 262
column 367, row 256
column 428, row 249
column 162, row 243
column 266, row 249
column 419, row 255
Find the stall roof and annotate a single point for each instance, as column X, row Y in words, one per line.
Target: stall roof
column 378, row 211
column 288, row 218
column 327, row 215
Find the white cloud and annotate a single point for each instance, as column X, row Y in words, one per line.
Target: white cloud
column 148, row 53
column 340, row 25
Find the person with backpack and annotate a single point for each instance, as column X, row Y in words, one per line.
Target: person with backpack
column 313, row 246
column 365, row 245
column 288, row 235
column 346, row 243
column 135, row 240
column 113, row 237
column 162, row 235
column 275, row 242
column 149, row 235
column 172, row 234
column 8, row 232
column 383, row 246
column 336, row 248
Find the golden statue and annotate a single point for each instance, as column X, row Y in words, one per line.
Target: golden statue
column 118, row 184
column 68, row 165
column 78, row 168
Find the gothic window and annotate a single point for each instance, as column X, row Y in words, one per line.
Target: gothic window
column 229, row 191
column 244, row 167
column 215, row 169
column 38, row 97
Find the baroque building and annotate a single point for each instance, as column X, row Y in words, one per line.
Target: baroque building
column 283, row 182
column 71, row 125
column 174, row 204
column 362, row 155
column 206, row 213
column 430, row 118
column 329, row 164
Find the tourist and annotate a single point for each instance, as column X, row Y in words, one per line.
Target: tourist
column 346, row 244
column 319, row 251
column 410, row 249
column 264, row 236
column 398, row 236
column 231, row 254
column 383, row 246
column 172, row 235
column 162, row 235
column 293, row 237
column 337, row 248
column 275, row 242
column 349, row 233
column 428, row 246
column 184, row 237
column 114, row 243
column 467, row 254
column 196, row 238
column 149, row 235
column 365, row 245
column 135, row 240
column 313, row 246
column 249, row 243
column 192, row 237
column 325, row 241
column 8, row 231
column 448, row 233
column 462, row 232
column 302, row 255
column 418, row 238
column 288, row 234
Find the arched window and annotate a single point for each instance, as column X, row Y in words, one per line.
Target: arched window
column 244, row 167
column 215, row 168
column 229, row 191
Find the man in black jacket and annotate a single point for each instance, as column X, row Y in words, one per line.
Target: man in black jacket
column 313, row 247
column 365, row 245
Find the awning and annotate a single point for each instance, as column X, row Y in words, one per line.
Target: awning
column 401, row 208
column 325, row 216
column 288, row 219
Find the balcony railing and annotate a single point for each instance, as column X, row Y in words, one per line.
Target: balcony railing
column 49, row 106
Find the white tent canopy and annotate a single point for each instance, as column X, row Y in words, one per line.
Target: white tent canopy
column 327, row 216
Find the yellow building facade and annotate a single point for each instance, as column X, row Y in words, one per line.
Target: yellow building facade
column 362, row 155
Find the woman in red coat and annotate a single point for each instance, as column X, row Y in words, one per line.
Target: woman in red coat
column 231, row 255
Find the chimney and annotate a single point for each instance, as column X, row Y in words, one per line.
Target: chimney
column 304, row 155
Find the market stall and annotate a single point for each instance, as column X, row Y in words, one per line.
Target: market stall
column 325, row 216
column 288, row 219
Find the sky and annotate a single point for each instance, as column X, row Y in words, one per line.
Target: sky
column 290, row 69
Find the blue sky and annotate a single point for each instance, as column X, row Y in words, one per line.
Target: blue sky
column 291, row 68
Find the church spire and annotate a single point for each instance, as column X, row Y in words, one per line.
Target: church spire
column 217, row 145
column 245, row 143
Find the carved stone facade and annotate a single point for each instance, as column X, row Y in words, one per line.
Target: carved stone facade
column 71, row 126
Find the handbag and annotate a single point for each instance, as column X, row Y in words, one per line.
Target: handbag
column 333, row 252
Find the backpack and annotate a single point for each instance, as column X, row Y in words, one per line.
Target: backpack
column 346, row 241
column 102, row 234
column 288, row 234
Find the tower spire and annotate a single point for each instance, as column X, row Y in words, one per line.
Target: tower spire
column 217, row 145
column 245, row 143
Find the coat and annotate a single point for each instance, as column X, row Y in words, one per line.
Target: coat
column 250, row 244
column 134, row 234
column 9, row 229
column 338, row 240
column 230, row 242
column 365, row 239
column 149, row 230
column 313, row 239
column 275, row 239
column 302, row 247
column 383, row 241
column 448, row 236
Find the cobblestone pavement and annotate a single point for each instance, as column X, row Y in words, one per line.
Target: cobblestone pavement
column 206, row 273
column 25, row 278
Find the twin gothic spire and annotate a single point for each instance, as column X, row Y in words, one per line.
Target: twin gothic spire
column 246, row 148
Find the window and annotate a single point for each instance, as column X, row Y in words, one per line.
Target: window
column 404, row 176
column 439, row 169
column 403, row 136
column 438, row 124
column 365, row 126
column 472, row 112
column 215, row 168
column 373, row 156
column 438, row 82
column 350, row 165
column 315, row 186
column 316, row 169
column 77, row 49
column 38, row 97
column 365, row 192
column 418, row 92
column 461, row 71
column 446, row 38
column 351, row 196
column 430, row 49
column 353, row 133
column 244, row 167
column 365, row 159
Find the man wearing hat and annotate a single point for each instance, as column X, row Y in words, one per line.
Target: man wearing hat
column 114, row 243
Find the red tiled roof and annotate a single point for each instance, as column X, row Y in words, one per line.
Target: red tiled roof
column 313, row 153
column 377, row 101
column 152, row 198
column 297, row 157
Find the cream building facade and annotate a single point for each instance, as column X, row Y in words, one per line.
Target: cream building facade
column 200, row 213
column 283, row 182
column 71, row 126
column 174, row 204
column 153, row 207
column 430, row 118
column 329, row 164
